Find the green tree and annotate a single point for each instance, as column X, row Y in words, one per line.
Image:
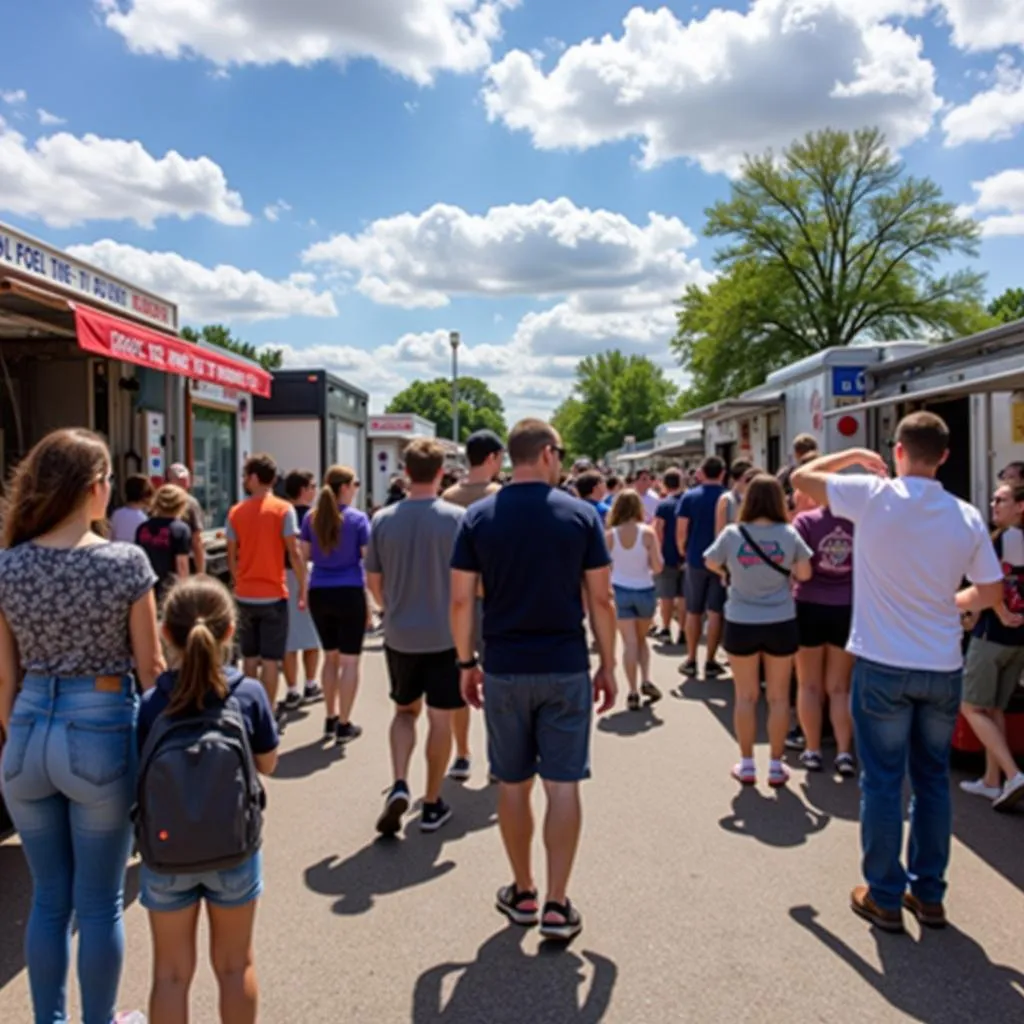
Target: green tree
column 1008, row 307
column 479, row 407
column 614, row 396
column 830, row 243
column 221, row 336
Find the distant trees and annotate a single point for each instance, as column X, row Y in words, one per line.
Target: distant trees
column 479, row 407
column 221, row 336
column 1009, row 306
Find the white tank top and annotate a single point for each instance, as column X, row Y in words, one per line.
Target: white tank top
column 631, row 566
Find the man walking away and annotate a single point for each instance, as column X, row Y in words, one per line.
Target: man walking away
column 537, row 551
column 408, row 572
column 703, row 590
column 669, row 582
column 180, row 476
column 913, row 543
column 261, row 531
column 644, row 486
column 485, row 452
column 590, row 487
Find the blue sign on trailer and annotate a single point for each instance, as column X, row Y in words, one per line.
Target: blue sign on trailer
column 847, row 381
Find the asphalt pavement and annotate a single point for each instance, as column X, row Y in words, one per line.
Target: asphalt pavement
column 701, row 903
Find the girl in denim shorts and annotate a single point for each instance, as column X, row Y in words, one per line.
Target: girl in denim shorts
column 199, row 623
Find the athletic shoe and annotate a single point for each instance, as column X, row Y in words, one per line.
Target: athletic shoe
column 460, row 769
column 434, row 816
column 662, row 635
column 330, row 727
column 397, row 803
column 864, row 906
column 795, row 739
column 846, row 766
column 977, row 787
column 688, row 668
column 1012, row 793
column 633, row 702
column 650, row 691
column 313, row 691
column 346, row 732
column 293, row 700
column 811, row 761
column 747, row 776
column 778, row 776
column 712, row 670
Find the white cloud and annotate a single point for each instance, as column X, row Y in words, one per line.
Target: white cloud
column 48, row 120
column 210, row 293
column 543, row 249
column 992, row 115
column 274, row 210
column 984, row 24
column 717, row 87
column 416, row 38
column 1001, row 200
column 13, row 97
column 65, row 180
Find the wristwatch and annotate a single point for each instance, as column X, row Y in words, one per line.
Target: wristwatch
column 465, row 666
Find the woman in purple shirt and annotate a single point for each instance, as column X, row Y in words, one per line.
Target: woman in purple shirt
column 824, row 606
column 334, row 538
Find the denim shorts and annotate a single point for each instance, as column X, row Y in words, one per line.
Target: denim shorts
column 634, row 604
column 234, row 887
column 539, row 725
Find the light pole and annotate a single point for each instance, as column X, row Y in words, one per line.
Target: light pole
column 454, row 339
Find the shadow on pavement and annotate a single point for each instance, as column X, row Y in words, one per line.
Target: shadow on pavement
column 781, row 820
column 301, row 762
column 388, row 865
column 995, row 838
column 835, row 796
column 717, row 695
column 506, row 985
column 944, row 978
column 630, row 723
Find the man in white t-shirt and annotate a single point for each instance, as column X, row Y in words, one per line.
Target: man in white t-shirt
column 644, row 486
column 913, row 545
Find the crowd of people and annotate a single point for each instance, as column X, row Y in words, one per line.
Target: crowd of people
column 139, row 697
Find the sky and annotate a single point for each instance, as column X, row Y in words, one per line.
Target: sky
column 350, row 181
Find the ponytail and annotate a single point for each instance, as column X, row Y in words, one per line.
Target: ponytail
column 326, row 515
column 201, row 672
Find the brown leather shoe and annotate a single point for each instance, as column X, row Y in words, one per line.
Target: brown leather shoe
column 930, row 915
column 864, row 906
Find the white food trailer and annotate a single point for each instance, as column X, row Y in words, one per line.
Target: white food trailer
column 389, row 433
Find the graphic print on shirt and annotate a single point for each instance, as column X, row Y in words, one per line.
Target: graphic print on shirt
column 835, row 552
column 1013, row 587
column 748, row 557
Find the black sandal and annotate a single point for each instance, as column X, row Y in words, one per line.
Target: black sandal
column 571, row 926
column 633, row 702
column 509, row 902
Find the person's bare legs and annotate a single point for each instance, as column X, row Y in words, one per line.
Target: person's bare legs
column 515, row 820
column 838, row 671
column 692, row 629
column 778, row 674
column 439, row 749
column 746, row 676
column 330, row 682
column 681, row 615
column 627, row 633
column 810, row 682
column 665, row 609
column 562, row 825
column 231, row 954
column 348, row 686
column 714, row 634
column 989, row 726
column 174, row 963
column 251, row 667
column 403, row 739
column 269, row 674
column 643, row 650
column 311, row 663
column 291, row 670
column 460, row 730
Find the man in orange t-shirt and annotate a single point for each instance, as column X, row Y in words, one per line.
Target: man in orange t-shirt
column 261, row 530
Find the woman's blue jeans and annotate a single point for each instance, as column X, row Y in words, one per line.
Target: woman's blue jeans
column 68, row 773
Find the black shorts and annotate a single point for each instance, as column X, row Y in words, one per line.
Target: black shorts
column 434, row 675
column 263, row 630
column 821, row 624
column 779, row 639
column 339, row 614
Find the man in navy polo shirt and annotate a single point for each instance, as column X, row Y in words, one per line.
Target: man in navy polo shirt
column 702, row 589
column 538, row 552
column 669, row 582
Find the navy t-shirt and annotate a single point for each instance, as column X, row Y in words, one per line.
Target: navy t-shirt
column 666, row 511
column 531, row 545
column 698, row 505
column 256, row 710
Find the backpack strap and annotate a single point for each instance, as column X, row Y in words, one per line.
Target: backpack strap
column 759, row 551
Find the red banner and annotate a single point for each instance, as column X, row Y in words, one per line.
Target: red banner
column 106, row 335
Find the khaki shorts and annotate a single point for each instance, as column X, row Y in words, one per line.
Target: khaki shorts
column 992, row 672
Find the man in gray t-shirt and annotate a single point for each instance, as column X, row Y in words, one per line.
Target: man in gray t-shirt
column 408, row 573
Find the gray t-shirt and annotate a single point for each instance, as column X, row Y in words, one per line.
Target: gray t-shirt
column 411, row 546
column 757, row 592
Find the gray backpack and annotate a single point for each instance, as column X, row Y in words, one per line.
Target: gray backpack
column 199, row 801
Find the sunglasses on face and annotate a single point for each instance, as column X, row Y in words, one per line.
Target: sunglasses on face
column 559, row 451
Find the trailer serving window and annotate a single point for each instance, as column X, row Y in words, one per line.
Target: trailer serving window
column 215, row 463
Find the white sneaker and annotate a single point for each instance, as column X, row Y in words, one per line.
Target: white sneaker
column 1011, row 794
column 977, row 787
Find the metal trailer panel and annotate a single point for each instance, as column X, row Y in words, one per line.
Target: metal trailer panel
column 294, row 443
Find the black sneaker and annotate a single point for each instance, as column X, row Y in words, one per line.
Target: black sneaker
column 713, row 669
column 313, row 691
column 293, row 700
column 397, row 803
column 460, row 770
column 281, row 716
column 663, row 635
column 795, row 739
column 330, row 726
column 345, row 732
column 650, row 691
column 633, row 702
column 434, row 816
column 688, row 668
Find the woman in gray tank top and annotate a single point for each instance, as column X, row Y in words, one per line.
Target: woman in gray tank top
column 741, row 472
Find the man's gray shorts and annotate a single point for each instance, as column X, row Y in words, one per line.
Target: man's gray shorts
column 539, row 725
column 704, row 591
column 669, row 583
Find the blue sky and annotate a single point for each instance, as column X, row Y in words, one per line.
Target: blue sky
column 352, row 180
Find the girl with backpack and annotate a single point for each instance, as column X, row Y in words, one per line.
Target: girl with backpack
column 204, row 728
column 76, row 614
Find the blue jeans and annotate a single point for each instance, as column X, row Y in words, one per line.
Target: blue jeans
column 904, row 721
column 68, row 772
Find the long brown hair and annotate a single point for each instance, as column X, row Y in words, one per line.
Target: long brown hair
column 765, row 499
column 326, row 517
column 52, row 482
column 199, row 617
column 627, row 508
